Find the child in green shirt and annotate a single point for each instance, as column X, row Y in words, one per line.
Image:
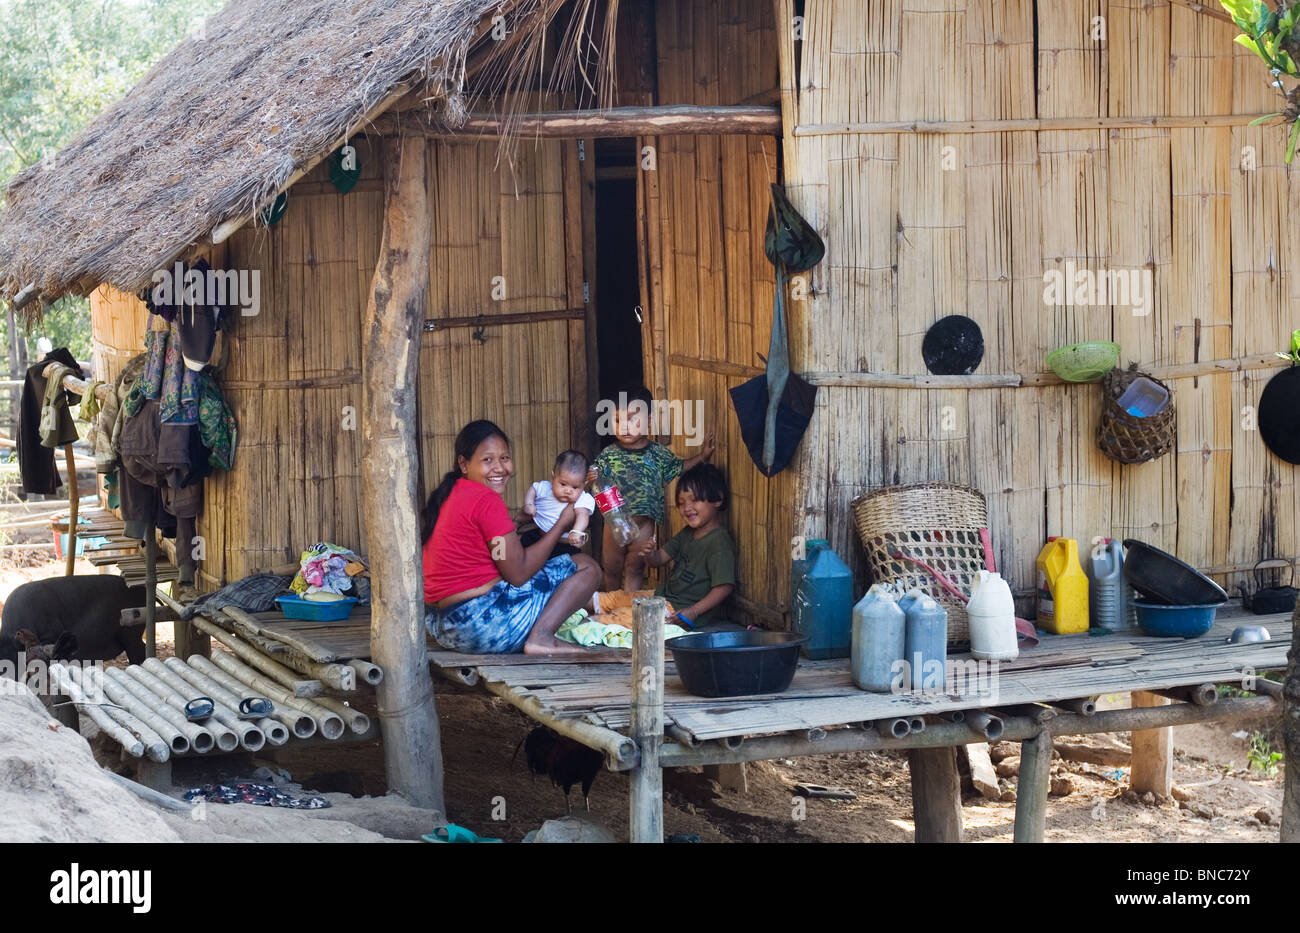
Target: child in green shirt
column 703, row 554
column 641, row 468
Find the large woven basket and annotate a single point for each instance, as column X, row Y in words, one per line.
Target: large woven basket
column 936, row 523
column 1126, row 437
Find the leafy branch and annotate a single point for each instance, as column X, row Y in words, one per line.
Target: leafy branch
column 1273, row 33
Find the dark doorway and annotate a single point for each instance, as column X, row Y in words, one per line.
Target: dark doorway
column 618, row 289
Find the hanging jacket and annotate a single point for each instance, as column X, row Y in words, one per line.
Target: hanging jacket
column 36, row 462
column 108, row 426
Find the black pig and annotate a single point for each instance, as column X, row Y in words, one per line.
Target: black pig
column 87, row 607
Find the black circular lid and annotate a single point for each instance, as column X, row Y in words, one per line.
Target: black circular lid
column 1279, row 414
column 953, row 346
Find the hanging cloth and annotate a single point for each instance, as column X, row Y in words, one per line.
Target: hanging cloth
column 774, row 409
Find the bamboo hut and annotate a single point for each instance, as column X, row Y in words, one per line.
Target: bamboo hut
column 949, row 152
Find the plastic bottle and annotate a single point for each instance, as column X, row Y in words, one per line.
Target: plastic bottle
column 1062, row 588
column 614, row 510
column 926, row 641
column 879, row 639
column 991, row 614
column 822, row 603
column 1109, row 598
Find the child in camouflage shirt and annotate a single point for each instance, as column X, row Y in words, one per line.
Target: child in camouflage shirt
column 641, row 468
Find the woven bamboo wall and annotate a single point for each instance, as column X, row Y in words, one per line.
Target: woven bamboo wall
column 118, row 322
column 712, row 286
column 520, row 231
column 909, row 242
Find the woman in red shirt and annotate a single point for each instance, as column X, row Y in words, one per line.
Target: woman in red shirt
column 485, row 593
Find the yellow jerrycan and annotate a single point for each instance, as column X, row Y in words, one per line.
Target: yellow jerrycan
column 1062, row 588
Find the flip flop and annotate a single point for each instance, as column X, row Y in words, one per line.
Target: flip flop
column 453, row 833
column 199, row 709
column 255, row 707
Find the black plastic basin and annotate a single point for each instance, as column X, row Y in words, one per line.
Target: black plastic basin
column 732, row 664
column 1162, row 578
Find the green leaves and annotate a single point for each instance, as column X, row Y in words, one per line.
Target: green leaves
column 1264, row 32
column 1290, row 146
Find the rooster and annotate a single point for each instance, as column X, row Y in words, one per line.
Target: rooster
column 64, row 647
column 563, row 760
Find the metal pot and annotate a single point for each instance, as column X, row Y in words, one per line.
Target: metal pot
column 1269, row 600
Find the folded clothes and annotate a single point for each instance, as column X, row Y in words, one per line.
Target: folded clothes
column 324, row 569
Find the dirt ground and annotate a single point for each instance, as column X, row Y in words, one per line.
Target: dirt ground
column 490, row 791
column 483, row 777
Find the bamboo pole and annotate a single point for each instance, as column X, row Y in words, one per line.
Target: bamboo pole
column 330, row 724
column 74, row 502
column 372, row 674
column 646, row 819
column 127, row 692
column 276, row 732
column 177, row 742
column 133, row 746
column 356, row 720
column 156, row 747
column 676, row 119
column 957, row 127
column 1201, row 694
column 302, row 725
column 274, row 670
column 226, row 738
column 337, row 676
column 251, row 738
column 619, row 750
column 394, row 313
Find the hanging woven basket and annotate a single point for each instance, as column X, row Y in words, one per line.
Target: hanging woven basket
column 1128, row 438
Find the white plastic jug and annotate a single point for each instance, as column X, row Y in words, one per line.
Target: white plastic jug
column 992, row 616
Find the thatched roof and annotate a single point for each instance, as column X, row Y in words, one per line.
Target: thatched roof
column 218, row 126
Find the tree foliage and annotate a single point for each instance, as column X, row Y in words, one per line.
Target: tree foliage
column 61, row 63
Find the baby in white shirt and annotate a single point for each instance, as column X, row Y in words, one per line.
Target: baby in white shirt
column 544, row 501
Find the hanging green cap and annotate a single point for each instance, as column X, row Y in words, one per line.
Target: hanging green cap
column 345, row 168
column 789, row 238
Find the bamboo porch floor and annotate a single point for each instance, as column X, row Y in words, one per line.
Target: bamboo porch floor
column 823, row 694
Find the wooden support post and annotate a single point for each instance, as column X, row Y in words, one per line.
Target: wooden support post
column 646, row 819
column 1291, row 737
column 389, row 482
column 729, row 777
column 150, row 591
column 1031, row 791
column 1153, row 752
column 936, row 794
column 74, row 500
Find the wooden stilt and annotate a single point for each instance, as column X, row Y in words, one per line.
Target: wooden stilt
column 1153, row 752
column 646, row 820
column 1291, row 737
column 729, row 777
column 74, row 500
column 1031, row 791
column 395, row 311
column 150, row 591
column 936, row 794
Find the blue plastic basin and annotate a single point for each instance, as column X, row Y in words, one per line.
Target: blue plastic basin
column 295, row 607
column 1175, row 621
